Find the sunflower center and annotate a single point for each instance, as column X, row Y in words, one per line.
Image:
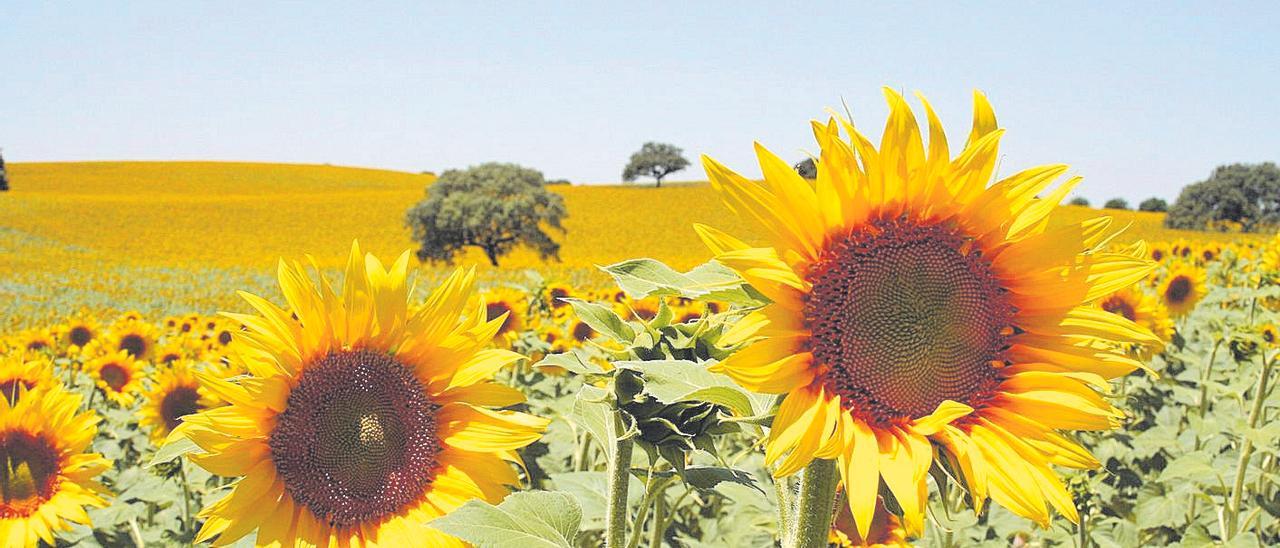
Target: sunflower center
column 583, row 332
column 1178, row 290
column 224, row 338
column 904, row 316
column 134, row 344
column 178, row 403
column 1116, row 304
column 28, row 474
column 356, row 442
column 498, row 308
column 80, row 335
column 37, row 345
column 114, row 375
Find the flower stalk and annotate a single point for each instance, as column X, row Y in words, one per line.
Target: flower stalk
column 619, row 466
column 816, row 499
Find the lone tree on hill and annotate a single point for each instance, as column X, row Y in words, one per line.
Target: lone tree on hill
column 655, row 160
column 4, row 174
column 493, row 206
column 1116, row 203
column 1243, row 194
column 1080, row 201
column 1153, row 204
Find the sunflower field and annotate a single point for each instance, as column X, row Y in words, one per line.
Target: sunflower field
column 910, row 349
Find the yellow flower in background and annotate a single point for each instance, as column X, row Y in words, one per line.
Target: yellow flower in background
column 176, row 393
column 1270, row 334
column 359, row 422
column 914, row 304
column 886, row 530
column 511, row 305
column 1182, row 289
column 38, row 341
column 118, row 375
column 46, row 477
column 1134, row 305
column 132, row 335
column 80, row 331
column 18, row 374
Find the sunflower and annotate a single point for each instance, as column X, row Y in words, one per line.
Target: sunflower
column 173, row 350
column 1159, row 252
column 507, row 303
column 1135, row 306
column 361, row 423
column 46, row 478
column 912, row 302
column 1270, row 334
column 581, row 332
column 1182, row 289
column 39, row 341
column 176, row 394
column 134, row 336
column 556, row 293
column 886, row 530
column 79, row 332
column 119, row 376
column 18, row 374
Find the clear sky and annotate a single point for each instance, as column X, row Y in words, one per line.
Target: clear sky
column 1140, row 100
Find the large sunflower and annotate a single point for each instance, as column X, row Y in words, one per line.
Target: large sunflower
column 915, row 303
column 359, row 423
column 176, row 393
column 46, row 478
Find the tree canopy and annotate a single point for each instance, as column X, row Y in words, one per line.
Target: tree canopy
column 1243, row 195
column 656, row 160
column 4, row 175
column 1153, row 204
column 1116, row 203
column 494, row 206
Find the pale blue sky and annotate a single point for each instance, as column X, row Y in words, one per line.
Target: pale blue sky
column 1140, row 100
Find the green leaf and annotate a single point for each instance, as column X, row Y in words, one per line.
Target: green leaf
column 572, row 362
column 530, row 519
column 603, row 319
column 589, row 488
column 642, row 278
column 175, row 446
column 672, row 381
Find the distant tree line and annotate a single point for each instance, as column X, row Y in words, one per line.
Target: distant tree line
column 4, row 175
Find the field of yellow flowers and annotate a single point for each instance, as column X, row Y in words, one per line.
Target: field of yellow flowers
column 133, row 414
column 167, row 238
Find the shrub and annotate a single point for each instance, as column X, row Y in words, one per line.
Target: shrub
column 1079, row 201
column 493, row 206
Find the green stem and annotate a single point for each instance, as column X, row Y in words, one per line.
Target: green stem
column 1246, row 448
column 615, row 521
column 186, row 496
column 817, row 497
column 782, row 487
column 659, row 521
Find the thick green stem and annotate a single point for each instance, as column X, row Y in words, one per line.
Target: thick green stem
column 615, row 521
column 817, row 499
column 1246, row 449
column 782, row 487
